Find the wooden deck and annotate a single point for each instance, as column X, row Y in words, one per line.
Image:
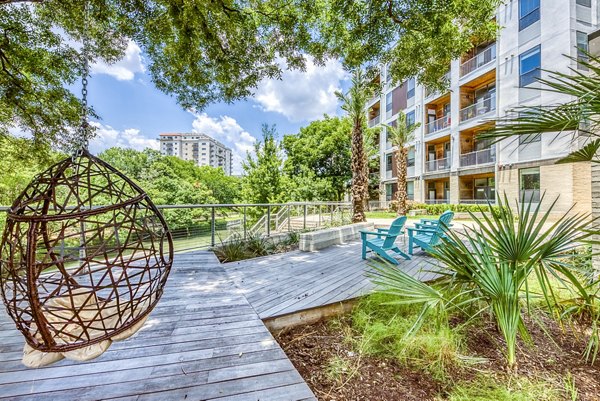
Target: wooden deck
column 281, row 284
column 205, row 340
column 202, row 342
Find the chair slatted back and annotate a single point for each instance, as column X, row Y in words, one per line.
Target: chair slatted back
column 394, row 231
column 443, row 225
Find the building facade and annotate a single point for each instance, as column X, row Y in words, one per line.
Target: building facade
column 200, row 148
column 447, row 163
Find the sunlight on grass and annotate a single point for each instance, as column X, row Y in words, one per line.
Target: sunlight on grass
column 488, row 388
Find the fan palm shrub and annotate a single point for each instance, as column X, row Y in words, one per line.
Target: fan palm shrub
column 488, row 268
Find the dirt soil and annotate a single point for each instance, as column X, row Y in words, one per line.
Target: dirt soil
column 364, row 378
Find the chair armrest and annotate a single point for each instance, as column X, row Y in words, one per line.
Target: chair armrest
column 421, row 230
column 425, row 221
column 365, row 233
column 384, row 230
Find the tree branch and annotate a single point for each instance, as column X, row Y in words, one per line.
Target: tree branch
column 390, row 12
column 20, row 1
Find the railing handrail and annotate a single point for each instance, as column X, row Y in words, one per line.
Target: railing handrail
column 435, row 122
column 477, row 151
column 486, row 102
column 216, row 205
column 470, row 61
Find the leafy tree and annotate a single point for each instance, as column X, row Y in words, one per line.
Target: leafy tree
column 353, row 104
column 320, row 152
column 225, row 188
column 263, row 180
column 400, row 136
column 206, row 51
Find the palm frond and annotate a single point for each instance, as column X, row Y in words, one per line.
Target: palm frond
column 585, row 154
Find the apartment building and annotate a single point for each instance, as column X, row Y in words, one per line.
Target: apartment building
column 200, row 148
column 447, row 163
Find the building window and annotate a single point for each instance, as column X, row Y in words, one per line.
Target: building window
column 388, row 104
column 388, row 162
column 529, row 12
column 582, row 48
column 410, row 118
column 389, row 192
column 529, row 66
column 410, row 88
column 485, row 188
column 410, row 157
column 585, row 3
column 529, row 181
column 529, row 138
column 410, row 190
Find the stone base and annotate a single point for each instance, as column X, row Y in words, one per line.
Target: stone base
column 315, row 240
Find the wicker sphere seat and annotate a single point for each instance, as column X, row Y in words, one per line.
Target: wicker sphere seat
column 84, row 257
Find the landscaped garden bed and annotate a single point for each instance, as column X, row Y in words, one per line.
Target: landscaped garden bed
column 238, row 248
column 366, row 356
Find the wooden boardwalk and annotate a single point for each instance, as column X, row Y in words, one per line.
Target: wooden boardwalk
column 202, row 342
column 281, row 284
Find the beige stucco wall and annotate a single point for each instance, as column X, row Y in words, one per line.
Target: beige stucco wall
column 569, row 184
column 454, row 189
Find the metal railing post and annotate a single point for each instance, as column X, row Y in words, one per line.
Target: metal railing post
column 319, row 216
column 212, row 226
column 245, row 226
column 269, row 221
column 305, row 210
column 289, row 218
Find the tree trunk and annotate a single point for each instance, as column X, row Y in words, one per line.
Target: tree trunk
column 401, row 195
column 359, row 180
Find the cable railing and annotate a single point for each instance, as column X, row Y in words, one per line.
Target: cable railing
column 437, row 125
column 205, row 226
column 438, row 164
column 483, row 156
column 481, row 59
column 478, row 109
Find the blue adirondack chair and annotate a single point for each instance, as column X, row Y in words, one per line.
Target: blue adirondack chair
column 384, row 241
column 428, row 235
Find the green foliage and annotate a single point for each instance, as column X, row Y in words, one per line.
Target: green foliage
column 237, row 248
column 489, row 268
column 263, row 181
column 232, row 250
column 338, row 368
column 384, row 326
column 205, row 51
column 488, row 388
column 318, row 159
column 21, row 161
column 438, row 209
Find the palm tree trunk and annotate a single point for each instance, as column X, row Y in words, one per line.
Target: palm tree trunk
column 359, row 179
column 401, row 195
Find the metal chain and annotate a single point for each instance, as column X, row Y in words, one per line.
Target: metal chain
column 83, row 134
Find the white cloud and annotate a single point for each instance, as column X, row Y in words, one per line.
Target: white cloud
column 303, row 95
column 226, row 129
column 108, row 137
column 124, row 69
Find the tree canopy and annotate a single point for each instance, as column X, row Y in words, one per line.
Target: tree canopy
column 320, row 151
column 207, row 51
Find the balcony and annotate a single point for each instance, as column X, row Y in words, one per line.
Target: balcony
column 436, row 201
column 478, row 109
column 437, row 125
column 436, row 165
column 374, row 121
column 476, row 158
column 436, row 93
column 477, row 201
column 481, row 59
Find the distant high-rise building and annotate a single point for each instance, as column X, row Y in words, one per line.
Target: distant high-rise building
column 200, row 148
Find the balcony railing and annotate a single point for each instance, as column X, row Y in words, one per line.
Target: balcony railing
column 431, row 92
column 436, row 201
column 477, row 201
column 479, row 60
column 478, row 157
column 374, row 121
column 437, row 125
column 478, row 109
column 438, row 164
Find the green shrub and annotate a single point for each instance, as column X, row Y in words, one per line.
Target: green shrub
column 259, row 245
column 383, row 330
column 442, row 207
column 232, row 250
column 487, row 388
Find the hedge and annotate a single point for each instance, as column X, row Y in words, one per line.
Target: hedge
column 442, row 207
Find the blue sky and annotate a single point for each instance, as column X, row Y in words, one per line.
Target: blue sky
column 133, row 112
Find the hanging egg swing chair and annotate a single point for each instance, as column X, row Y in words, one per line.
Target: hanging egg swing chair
column 84, row 259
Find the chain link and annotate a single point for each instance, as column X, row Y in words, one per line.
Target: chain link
column 83, row 133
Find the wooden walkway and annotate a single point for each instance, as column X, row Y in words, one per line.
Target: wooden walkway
column 202, row 342
column 281, row 284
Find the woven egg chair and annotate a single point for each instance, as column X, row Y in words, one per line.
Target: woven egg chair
column 84, row 258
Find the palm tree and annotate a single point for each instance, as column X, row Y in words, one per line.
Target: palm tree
column 400, row 136
column 353, row 103
column 582, row 114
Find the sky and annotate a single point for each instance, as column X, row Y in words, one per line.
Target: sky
column 133, row 112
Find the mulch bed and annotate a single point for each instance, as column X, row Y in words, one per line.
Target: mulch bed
column 373, row 378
